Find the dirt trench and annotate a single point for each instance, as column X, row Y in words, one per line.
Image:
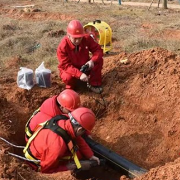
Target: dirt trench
column 17, row 105
column 140, row 123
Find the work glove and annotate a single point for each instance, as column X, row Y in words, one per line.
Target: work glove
column 71, row 166
column 96, row 159
column 85, row 165
column 84, row 77
column 90, row 64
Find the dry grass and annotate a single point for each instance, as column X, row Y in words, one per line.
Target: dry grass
column 133, row 29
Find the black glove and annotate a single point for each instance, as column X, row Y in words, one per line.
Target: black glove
column 84, row 68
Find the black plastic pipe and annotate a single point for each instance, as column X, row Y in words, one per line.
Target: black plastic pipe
column 114, row 160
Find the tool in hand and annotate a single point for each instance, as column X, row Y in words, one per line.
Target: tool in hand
column 84, row 68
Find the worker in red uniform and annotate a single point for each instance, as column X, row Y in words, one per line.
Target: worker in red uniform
column 52, row 152
column 73, row 53
column 67, row 101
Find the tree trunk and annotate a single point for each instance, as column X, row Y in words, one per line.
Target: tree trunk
column 165, row 4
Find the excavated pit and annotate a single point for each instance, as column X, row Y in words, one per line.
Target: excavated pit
column 140, row 122
column 137, row 114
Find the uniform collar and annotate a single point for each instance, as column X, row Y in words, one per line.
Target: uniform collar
column 71, row 45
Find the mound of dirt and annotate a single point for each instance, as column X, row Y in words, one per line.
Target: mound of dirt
column 137, row 115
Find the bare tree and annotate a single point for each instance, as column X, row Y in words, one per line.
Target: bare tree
column 165, row 4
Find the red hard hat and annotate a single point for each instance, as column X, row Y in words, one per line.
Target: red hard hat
column 85, row 117
column 69, row 99
column 75, row 29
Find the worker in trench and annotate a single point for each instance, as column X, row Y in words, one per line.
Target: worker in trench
column 57, row 145
column 67, row 101
column 73, row 53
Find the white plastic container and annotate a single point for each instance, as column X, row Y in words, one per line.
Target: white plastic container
column 43, row 76
column 25, row 78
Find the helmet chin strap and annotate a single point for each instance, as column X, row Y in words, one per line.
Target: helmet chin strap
column 76, row 130
column 61, row 108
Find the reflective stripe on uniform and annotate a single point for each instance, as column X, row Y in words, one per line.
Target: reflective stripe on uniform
column 29, row 156
column 25, row 151
column 76, row 160
column 28, row 134
column 28, row 131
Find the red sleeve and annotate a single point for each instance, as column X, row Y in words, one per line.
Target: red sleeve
column 95, row 49
column 64, row 61
column 84, row 148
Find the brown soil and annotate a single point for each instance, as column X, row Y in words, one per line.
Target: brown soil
column 140, row 121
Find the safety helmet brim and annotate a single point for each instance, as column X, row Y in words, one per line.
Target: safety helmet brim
column 77, row 35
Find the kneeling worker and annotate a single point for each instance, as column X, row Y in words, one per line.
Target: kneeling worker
column 67, row 101
column 57, row 145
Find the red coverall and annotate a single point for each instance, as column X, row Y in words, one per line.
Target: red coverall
column 50, row 148
column 71, row 59
column 48, row 110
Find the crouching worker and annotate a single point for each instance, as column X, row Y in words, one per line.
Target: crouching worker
column 67, row 101
column 57, row 145
column 73, row 53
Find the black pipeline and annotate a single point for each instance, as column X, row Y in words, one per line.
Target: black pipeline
column 115, row 161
